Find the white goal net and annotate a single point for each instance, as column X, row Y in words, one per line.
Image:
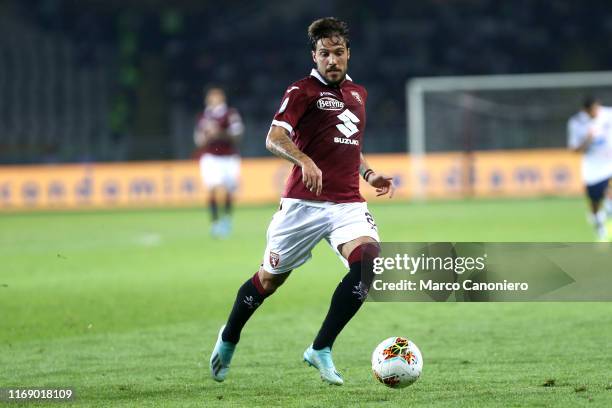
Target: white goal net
column 499, row 112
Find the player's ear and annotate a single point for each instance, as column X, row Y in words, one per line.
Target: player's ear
column 314, row 56
column 348, row 54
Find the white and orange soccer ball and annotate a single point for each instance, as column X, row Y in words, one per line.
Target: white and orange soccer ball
column 397, row 362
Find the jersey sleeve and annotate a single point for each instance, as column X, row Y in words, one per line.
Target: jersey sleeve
column 199, row 124
column 575, row 134
column 235, row 126
column 294, row 104
column 607, row 111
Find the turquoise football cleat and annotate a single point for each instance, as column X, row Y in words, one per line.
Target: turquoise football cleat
column 226, row 226
column 322, row 360
column 221, row 357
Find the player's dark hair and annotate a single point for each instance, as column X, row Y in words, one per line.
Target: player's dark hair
column 327, row 27
column 589, row 101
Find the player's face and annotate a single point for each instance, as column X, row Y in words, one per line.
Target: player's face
column 215, row 97
column 593, row 110
column 331, row 57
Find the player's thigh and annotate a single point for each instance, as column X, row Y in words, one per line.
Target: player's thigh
column 270, row 281
column 352, row 225
column 294, row 231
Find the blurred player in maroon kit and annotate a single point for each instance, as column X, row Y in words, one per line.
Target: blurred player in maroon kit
column 216, row 135
column 319, row 127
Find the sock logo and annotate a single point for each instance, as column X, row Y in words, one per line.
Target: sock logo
column 361, row 291
column 274, row 259
column 250, row 302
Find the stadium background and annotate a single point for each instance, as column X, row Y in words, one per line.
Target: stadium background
column 106, row 81
column 98, row 100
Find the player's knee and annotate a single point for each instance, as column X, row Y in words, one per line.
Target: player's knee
column 270, row 281
column 270, row 284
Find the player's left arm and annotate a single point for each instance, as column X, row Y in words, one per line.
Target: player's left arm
column 235, row 128
column 382, row 183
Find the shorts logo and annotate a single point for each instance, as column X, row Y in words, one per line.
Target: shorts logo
column 357, row 96
column 327, row 103
column 274, row 259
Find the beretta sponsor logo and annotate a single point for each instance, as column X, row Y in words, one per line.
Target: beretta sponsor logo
column 328, row 103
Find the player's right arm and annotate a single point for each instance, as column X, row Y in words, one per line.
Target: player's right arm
column 294, row 104
column 280, row 144
column 198, row 137
column 588, row 139
column 579, row 138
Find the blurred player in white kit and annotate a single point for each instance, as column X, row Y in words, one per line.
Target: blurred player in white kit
column 590, row 133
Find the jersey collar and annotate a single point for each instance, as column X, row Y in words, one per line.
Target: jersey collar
column 317, row 75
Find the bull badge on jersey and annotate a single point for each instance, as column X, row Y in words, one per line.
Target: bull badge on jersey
column 357, row 96
column 274, row 259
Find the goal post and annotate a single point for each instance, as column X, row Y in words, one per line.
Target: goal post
column 470, row 113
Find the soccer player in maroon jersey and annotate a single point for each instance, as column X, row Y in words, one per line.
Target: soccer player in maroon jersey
column 319, row 128
column 216, row 135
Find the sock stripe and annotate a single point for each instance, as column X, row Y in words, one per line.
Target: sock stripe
column 258, row 285
column 369, row 250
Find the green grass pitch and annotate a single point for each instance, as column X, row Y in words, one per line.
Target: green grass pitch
column 125, row 308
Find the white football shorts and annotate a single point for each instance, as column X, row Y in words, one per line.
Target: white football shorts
column 220, row 171
column 299, row 225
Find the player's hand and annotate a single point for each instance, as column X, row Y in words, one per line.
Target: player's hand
column 312, row 177
column 382, row 184
column 590, row 135
column 212, row 130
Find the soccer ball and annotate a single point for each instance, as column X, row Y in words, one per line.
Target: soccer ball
column 397, row 362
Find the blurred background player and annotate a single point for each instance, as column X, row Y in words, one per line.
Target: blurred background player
column 216, row 135
column 590, row 133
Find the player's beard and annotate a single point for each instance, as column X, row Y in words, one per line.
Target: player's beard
column 338, row 81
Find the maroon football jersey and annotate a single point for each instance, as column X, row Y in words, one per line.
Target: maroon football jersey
column 228, row 120
column 327, row 124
